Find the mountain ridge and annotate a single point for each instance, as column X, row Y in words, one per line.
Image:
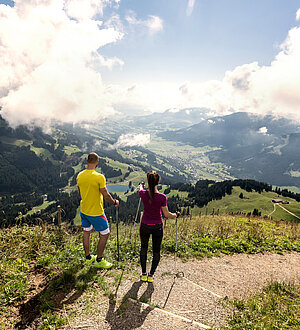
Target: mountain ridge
column 252, row 146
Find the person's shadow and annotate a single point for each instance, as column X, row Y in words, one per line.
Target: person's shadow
column 54, row 294
column 130, row 314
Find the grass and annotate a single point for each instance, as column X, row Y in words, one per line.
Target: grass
column 16, row 142
column 77, row 219
column 290, row 188
column 212, row 235
column 181, row 194
column 195, row 157
column 44, row 153
column 263, row 202
column 56, row 255
column 282, row 214
column 39, row 207
column 276, row 307
column 69, row 150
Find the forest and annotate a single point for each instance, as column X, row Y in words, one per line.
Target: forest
column 199, row 194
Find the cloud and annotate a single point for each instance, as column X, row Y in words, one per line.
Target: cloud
column 190, row 7
column 263, row 130
column 50, row 64
column 82, row 9
column 298, row 15
column 153, row 24
column 249, row 87
column 130, row 140
column 47, row 61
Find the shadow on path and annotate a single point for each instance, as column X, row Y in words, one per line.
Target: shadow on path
column 130, row 315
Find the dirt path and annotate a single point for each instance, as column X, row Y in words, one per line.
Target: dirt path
column 289, row 211
column 273, row 210
column 192, row 302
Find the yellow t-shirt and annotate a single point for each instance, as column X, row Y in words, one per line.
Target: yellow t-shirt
column 89, row 183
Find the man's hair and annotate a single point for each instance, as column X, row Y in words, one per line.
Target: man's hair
column 92, row 158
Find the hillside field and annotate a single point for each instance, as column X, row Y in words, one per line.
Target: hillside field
column 263, row 202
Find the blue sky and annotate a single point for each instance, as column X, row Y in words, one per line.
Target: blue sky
column 217, row 36
column 81, row 60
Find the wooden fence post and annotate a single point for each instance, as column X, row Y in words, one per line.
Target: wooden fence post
column 59, row 214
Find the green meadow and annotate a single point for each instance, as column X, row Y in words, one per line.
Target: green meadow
column 252, row 200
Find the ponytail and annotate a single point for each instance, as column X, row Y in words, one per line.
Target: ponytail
column 153, row 179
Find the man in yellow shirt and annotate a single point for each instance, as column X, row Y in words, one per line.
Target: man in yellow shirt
column 92, row 189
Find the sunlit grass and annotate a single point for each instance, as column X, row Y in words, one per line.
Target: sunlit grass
column 57, row 253
column 276, row 307
column 262, row 202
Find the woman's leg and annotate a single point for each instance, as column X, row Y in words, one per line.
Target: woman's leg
column 157, row 236
column 144, row 235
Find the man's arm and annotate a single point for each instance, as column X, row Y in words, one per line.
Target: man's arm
column 107, row 196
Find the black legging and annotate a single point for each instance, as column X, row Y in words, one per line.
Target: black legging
column 157, row 234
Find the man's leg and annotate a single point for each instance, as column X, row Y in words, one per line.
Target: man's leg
column 101, row 244
column 101, row 225
column 101, row 262
column 87, row 227
column 86, row 242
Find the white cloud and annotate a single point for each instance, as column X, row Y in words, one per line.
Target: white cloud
column 109, row 62
column 263, row 130
column 190, row 7
column 82, row 9
column 250, row 87
column 130, row 140
column 49, row 69
column 298, row 15
column 47, row 62
column 153, row 24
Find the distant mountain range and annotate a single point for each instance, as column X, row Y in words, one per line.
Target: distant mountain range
column 170, row 119
column 264, row 148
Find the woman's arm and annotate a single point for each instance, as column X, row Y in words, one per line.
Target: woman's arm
column 167, row 213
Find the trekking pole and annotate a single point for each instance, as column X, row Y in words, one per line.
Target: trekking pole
column 137, row 212
column 177, row 274
column 117, row 221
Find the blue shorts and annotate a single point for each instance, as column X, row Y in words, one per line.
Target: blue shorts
column 100, row 223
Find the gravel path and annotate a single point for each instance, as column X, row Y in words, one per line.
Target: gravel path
column 193, row 297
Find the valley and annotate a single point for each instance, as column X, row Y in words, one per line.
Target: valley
column 25, row 153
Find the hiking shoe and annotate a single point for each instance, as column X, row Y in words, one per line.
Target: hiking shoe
column 150, row 278
column 144, row 277
column 103, row 264
column 92, row 260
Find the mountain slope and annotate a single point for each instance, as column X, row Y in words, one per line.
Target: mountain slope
column 169, row 119
column 262, row 148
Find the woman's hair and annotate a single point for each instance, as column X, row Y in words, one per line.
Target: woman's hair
column 153, row 179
